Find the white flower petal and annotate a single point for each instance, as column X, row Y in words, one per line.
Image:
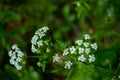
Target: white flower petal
column 56, row 58
column 72, row 49
column 91, row 58
column 81, row 58
column 87, row 37
column 79, row 42
column 68, row 64
column 81, row 50
column 65, row 52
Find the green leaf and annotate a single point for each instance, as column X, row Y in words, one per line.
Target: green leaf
column 105, row 57
column 82, row 72
column 66, row 10
column 57, row 70
column 43, row 66
column 60, row 45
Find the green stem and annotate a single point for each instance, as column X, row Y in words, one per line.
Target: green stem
column 69, row 73
column 32, row 56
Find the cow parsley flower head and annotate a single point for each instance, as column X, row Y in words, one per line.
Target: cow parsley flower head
column 72, row 49
column 37, row 41
column 91, row 58
column 56, row 58
column 81, row 58
column 87, row 37
column 68, row 64
column 16, row 56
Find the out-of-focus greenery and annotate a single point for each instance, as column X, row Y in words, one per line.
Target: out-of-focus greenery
column 67, row 19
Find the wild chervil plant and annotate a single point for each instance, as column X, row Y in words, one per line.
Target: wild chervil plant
column 41, row 45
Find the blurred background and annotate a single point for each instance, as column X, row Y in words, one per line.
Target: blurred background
column 68, row 20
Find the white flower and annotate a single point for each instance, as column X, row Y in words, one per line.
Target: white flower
column 87, row 50
column 20, row 53
column 65, row 52
column 87, row 36
column 34, row 39
column 12, row 61
column 40, row 43
column 41, row 32
column 81, row 58
column 14, row 47
column 56, row 58
column 86, row 44
column 10, row 53
column 94, row 46
column 33, row 49
column 18, row 59
column 18, row 67
column 68, row 64
column 15, row 56
column 45, row 28
column 79, row 42
column 119, row 76
column 91, row 58
column 81, row 50
column 72, row 49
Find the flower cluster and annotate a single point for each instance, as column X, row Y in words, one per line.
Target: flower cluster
column 81, row 52
column 16, row 56
column 37, row 41
column 84, row 49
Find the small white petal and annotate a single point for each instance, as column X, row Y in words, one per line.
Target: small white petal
column 18, row 59
column 40, row 43
column 119, row 76
column 18, row 67
column 72, row 49
column 87, row 36
column 87, row 50
column 14, row 46
column 81, row 58
column 33, row 49
column 20, row 54
column 13, row 57
column 81, row 50
column 94, row 46
column 12, row 61
column 65, row 52
column 91, row 58
column 56, row 58
column 86, row 44
column 45, row 28
column 10, row 53
column 68, row 64
column 79, row 42
column 34, row 39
